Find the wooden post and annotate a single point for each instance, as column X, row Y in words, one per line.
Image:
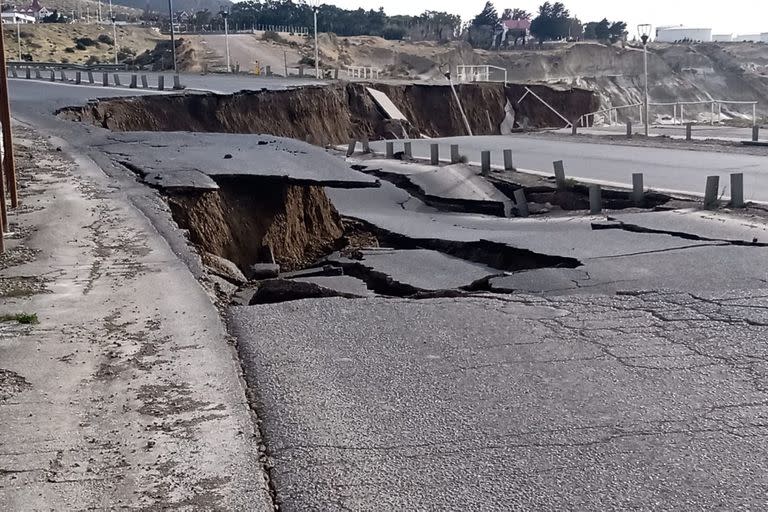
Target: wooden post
column 390, row 150
column 755, row 133
column 595, row 199
column 90, row 77
column 134, row 82
column 485, row 162
column 638, row 190
column 434, row 154
column 408, row 149
column 161, row 82
column 105, row 79
column 366, row 145
column 509, row 165
column 688, row 131
column 521, row 202
column 455, row 153
column 710, row 192
column 737, row 190
column 559, row 174
column 144, row 82
column 351, row 147
column 9, row 165
column 116, row 78
column 78, row 77
column 629, row 129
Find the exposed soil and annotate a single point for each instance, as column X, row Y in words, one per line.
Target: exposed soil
column 246, row 218
column 334, row 114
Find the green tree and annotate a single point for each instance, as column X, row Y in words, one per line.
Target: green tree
column 487, row 17
column 520, row 14
column 603, row 30
column 618, row 31
column 552, row 23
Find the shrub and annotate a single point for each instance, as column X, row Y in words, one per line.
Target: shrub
column 85, row 41
column 69, row 49
column 307, row 61
column 272, row 36
column 106, row 39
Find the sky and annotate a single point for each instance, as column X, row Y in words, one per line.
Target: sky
column 733, row 16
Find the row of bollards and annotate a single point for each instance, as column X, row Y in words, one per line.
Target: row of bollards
column 711, row 199
column 135, row 79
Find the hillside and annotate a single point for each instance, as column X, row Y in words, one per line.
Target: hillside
column 178, row 5
column 57, row 42
column 84, row 8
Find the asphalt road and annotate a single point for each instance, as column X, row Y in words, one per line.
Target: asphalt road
column 592, row 400
column 664, row 169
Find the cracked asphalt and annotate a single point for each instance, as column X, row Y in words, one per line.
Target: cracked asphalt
column 647, row 401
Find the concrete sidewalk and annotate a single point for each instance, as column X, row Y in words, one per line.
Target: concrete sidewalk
column 127, row 393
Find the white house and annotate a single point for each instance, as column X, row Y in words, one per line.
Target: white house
column 15, row 17
column 680, row 33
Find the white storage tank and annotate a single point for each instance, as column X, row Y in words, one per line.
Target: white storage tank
column 675, row 34
column 749, row 38
column 723, row 38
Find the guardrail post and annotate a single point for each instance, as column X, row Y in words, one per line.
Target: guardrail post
column 710, row 192
column 521, row 202
column 78, row 77
column 559, row 174
column 116, row 78
column 336, row 74
column 105, row 79
column 638, row 190
column 455, row 157
column 688, row 131
column 28, row 73
column 38, row 74
column 629, row 129
column 737, row 190
column 408, row 149
column 134, row 82
column 390, row 149
column 177, row 82
column 90, row 77
column 53, row 76
column 755, row 133
column 351, row 147
column 63, row 76
column 144, row 82
column 509, row 165
column 485, row 162
column 595, row 199
column 366, row 145
column 161, row 83
column 574, row 129
column 434, row 154
column 301, row 71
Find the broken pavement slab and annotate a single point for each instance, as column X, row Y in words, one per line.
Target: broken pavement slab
column 456, row 186
column 414, row 270
column 179, row 158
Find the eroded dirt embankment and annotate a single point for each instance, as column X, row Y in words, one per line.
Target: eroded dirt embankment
column 245, row 219
column 334, row 114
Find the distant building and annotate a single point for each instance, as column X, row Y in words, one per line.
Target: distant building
column 680, row 33
column 723, row 38
column 15, row 17
column 513, row 30
column 752, row 38
column 36, row 10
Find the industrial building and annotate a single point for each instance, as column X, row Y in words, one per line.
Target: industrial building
column 680, row 33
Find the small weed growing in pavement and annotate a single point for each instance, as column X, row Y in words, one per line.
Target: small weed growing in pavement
column 22, row 318
column 570, row 183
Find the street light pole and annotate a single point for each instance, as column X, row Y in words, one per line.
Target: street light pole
column 173, row 39
column 317, row 51
column 114, row 36
column 645, row 34
column 225, row 15
column 18, row 37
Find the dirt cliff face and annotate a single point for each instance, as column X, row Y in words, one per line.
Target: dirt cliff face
column 245, row 216
column 334, row 114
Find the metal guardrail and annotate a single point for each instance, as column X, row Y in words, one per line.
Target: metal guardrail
column 59, row 65
column 678, row 110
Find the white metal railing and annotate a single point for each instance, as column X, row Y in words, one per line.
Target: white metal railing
column 363, row 72
column 467, row 73
column 678, row 111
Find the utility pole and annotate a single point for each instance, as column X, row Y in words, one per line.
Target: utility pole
column 18, row 36
column 645, row 34
column 173, row 39
column 9, row 166
column 317, row 51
